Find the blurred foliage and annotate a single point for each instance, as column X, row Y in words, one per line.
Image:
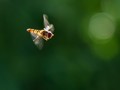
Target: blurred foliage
column 83, row 54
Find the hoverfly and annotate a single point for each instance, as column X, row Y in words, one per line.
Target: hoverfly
column 46, row 33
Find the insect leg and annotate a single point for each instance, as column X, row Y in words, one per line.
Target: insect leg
column 36, row 38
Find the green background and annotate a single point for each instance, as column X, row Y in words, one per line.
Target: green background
column 84, row 54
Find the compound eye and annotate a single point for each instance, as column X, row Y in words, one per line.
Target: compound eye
column 49, row 35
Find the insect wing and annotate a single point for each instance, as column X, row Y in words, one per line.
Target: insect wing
column 51, row 28
column 47, row 24
column 33, row 35
column 37, row 40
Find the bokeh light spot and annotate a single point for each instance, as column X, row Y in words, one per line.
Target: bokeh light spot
column 101, row 26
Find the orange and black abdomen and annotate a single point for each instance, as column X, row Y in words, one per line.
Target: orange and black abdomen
column 35, row 31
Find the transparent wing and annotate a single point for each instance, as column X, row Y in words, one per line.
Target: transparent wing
column 37, row 40
column 33, row 36
column 51, row 28
column 47, row 24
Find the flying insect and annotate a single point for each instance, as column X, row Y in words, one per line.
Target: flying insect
column 45, row 34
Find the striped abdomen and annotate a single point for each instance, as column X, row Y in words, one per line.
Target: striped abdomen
column 35, row 31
